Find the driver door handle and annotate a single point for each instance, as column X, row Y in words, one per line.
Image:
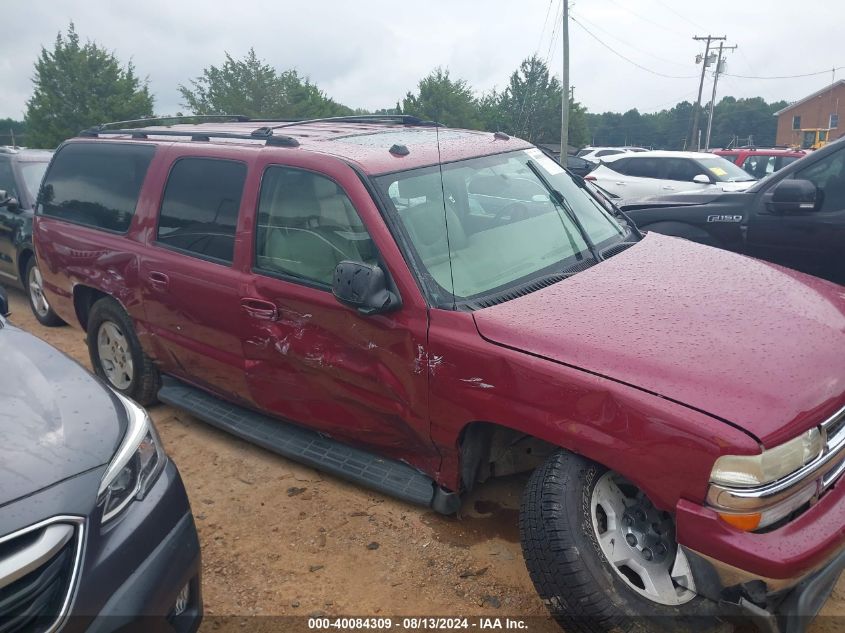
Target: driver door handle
column 260, row 309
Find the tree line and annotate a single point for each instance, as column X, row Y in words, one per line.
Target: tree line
column 77, row 85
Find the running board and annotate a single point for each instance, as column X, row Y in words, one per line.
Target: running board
column 387, row 476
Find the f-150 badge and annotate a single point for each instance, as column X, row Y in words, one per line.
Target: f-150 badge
column 724, row 218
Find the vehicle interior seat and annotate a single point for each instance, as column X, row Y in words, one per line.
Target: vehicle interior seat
column 309, row 226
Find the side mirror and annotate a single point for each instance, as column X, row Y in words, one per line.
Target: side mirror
column 4, row 303
column 10, row 202
column 363, row 286
column 702, row 179
column 794, row 195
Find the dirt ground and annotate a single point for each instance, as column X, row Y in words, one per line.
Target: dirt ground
column 281, row 539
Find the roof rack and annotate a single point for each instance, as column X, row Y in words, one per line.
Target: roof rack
column 400, row 119
column 260, row 134
column 179, row 119
column 264, row 133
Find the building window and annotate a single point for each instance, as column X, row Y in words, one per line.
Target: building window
column 834, row 121
column 796, row 123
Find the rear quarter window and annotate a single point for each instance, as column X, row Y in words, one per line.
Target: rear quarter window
column 95, row 184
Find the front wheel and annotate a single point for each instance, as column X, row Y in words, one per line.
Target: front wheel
column 602, row 557
column 35, row 293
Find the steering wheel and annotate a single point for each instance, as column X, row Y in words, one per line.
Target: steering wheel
column 513, row 211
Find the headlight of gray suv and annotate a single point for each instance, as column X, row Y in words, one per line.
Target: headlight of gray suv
column 135, row 466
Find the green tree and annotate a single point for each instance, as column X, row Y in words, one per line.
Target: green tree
column 253, row 88
column 79, row 85
column 530, row 106
column 443, row 99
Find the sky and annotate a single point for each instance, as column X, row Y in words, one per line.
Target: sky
column 369, row 54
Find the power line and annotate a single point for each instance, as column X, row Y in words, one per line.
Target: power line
column 620, row 40
column 652, row 22
column 627, row 59
column 536, row 55
column 685, row 19
column 821, row 72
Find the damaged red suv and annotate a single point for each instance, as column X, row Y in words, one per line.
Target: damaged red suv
column 418, row 309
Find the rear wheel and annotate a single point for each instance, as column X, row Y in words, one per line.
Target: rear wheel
column 602, row 557
column 116, row 354
column 35, row 293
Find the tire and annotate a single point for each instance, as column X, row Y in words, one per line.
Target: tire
column 116, row 354
column 33, row 284
column 583, row 591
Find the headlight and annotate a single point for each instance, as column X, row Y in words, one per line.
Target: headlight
column 135, row 466
column 751, row 492
column 770, row 465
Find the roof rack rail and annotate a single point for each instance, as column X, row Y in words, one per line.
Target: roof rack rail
column 401, row 119
column 181, row 118
column 261, row 134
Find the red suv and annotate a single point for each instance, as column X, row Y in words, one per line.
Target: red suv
column 419, row 309
column 761, row 162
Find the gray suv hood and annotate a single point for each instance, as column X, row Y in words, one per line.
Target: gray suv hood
column 56, row 420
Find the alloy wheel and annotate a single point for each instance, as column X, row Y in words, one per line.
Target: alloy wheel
column 638, row 541
column 115, row 356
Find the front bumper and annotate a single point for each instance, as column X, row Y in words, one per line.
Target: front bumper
column 780, row 578
column 134, row 569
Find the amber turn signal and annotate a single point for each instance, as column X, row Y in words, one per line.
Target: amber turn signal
column 745, row 522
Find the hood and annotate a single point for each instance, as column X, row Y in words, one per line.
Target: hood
column 56, row 420
column 749, row 342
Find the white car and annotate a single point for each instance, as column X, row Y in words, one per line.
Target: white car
column 595, row 154
column 657, row 173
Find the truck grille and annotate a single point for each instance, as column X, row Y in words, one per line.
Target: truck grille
column 38, row 570
column 834, row 431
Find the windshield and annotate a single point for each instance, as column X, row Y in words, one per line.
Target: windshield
column 724, row 170
column 32, row 174
column 491, row 223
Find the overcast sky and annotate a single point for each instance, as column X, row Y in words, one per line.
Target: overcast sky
column 369, row 54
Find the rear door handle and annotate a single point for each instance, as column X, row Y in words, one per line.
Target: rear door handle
column 158, row 280
column 669, row 188
column 260, row 309
column 620, row 183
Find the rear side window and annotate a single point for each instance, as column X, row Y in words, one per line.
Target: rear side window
column 95, row 184
column 199, row 211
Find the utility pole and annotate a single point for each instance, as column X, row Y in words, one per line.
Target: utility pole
column 564, row 101
column 694, row 134
column 719, row 69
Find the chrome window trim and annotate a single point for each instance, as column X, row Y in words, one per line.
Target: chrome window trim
column 73, row 581
column 824, row 470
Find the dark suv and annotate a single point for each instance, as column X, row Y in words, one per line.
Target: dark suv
column 419, row 309
column 96, row 533
column 21, row 171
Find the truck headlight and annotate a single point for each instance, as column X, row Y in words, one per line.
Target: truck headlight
column 751, row 492
column 770, row 465
column 136, row 465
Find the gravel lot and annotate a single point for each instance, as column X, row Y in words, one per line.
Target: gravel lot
column 281, row 539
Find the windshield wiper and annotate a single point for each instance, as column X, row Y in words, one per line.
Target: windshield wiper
column 558, row 197
column 582, row 182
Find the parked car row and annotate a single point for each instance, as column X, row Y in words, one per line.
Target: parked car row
column 795, row 217
column 419, row 310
